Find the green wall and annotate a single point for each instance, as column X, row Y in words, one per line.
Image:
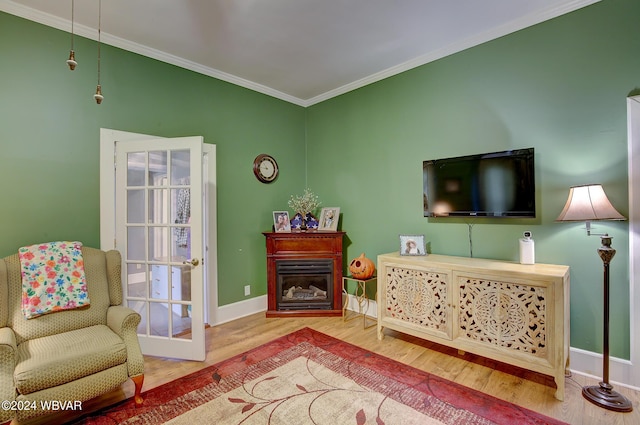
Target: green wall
column 560, row 87
column 49, row 133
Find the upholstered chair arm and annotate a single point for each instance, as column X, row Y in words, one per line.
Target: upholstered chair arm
column 8, row 349
column 124, row 321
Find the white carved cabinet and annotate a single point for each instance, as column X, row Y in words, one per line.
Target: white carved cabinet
column 513, row 313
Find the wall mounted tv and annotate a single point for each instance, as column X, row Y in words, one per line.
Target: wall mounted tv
column 497, row 184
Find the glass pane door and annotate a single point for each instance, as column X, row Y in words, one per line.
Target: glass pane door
column 162, row 257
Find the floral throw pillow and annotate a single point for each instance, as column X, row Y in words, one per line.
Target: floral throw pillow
column 53, row 278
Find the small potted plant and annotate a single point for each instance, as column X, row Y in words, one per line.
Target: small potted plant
column 304, row 206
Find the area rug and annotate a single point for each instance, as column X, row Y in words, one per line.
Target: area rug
column 308, row 377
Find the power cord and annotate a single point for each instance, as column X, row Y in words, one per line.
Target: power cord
column 470, row 239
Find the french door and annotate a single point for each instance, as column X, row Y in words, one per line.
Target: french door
column 159, row 231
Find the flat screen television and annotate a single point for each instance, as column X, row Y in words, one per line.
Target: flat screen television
column 497, row 184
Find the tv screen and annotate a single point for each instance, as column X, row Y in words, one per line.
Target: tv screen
column 497, row 184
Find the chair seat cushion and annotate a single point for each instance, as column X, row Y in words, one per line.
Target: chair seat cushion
column 57, row 359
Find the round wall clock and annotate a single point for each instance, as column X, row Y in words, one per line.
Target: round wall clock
column 265, row 168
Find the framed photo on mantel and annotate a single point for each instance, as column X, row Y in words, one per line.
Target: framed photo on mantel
column 329, row 217
column 281, row 221
column 412, row 245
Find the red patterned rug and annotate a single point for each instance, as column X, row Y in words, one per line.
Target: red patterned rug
column 307, row 377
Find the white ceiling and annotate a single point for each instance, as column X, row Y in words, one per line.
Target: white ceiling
column 301, row 51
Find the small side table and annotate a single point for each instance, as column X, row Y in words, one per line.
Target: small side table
column 362, row 299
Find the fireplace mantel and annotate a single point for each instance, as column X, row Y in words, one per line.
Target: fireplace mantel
column 304, row 246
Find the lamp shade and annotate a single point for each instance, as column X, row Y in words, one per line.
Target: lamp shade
column 588, row 203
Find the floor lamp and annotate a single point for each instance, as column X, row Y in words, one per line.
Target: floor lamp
column 589, row 203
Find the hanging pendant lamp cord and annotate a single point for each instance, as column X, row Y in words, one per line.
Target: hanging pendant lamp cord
column 72, row 20
column 99, row 31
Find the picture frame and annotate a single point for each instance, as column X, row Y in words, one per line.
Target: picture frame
column 329, row 217
column 281, row 222
column 412, row 245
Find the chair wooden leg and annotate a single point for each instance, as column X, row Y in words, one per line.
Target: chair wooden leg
column 137, row 381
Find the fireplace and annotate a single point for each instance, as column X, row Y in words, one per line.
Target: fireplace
column 304, row 284
column 304, row 274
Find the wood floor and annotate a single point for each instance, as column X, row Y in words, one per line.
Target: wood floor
column 520, row 387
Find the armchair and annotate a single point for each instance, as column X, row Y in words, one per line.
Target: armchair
column 71, row 355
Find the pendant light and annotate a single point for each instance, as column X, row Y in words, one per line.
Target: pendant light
column 98, row 96
column 72, row 54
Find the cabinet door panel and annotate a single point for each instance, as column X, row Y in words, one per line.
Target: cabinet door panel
column 509, row 315
column 420, row 298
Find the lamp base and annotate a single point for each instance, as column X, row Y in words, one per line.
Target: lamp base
column 605, row 396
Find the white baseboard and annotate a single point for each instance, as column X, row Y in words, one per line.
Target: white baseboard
column 229, row 312
column 371, row 311
column 589, row 364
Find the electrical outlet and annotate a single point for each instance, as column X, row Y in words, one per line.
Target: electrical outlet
column 247, row 290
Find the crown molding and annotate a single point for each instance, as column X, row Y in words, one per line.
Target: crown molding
column 106, row 38
column 497, row 32
column 111, row 40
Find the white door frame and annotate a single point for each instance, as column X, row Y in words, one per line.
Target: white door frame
column 108, row 137
column 633, row 133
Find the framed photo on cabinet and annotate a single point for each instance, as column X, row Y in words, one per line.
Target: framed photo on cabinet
column 412, row 245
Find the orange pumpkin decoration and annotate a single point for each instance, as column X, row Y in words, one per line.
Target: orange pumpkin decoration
column 362, row 267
